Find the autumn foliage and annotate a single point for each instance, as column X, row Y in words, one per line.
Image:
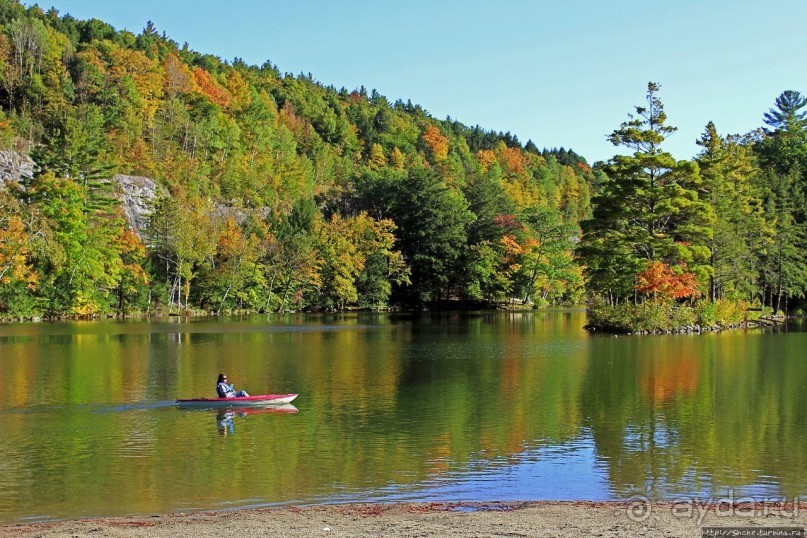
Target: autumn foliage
column 508, row 222
column 273, row 192
column 14, row 252
column 515, row 160
column 437, row 143
column 179, row 79
column 665, row 283
column 210, row 88
column 486, row 158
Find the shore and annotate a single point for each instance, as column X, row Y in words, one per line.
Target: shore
column 561, row 519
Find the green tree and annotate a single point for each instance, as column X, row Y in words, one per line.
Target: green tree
column 647, row 209
column 291, row 258
column 83, row 263
column 547, row 266
column 487, row 200
column 788, row 114
column 183, row 236
column 300, row 266
column 233, row 266
column 75, row 147
column 359, row 264
column 730, row 176
column 784, row 146
column 783, row 155
column 784, row 263
column 432, row 220
column 484, row 277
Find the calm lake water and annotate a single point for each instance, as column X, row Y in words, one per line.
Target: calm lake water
column 455, row 406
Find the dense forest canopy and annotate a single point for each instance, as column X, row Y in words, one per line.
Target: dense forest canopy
column 340, row 198
column 277, row 192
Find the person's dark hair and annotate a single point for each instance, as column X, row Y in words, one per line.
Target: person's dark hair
column 221, row 378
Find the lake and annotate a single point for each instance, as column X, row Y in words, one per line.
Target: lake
column 393, row 407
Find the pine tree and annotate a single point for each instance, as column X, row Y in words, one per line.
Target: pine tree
column 788, row 114
column 647, row 209
column 784, row 147
column 729, row 172
column 784, row 263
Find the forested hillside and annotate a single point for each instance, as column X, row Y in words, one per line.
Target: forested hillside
column 275, row 192
column 335, row 198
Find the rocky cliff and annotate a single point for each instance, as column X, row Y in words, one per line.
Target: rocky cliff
column 15, row 166
column 136, row 193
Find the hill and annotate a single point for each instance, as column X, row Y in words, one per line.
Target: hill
column 335, row 198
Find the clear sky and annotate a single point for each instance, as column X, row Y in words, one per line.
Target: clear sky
column 559, row 72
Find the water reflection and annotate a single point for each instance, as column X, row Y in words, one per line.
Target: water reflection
column 225, row 418
column 225, row 421
column 470, row 406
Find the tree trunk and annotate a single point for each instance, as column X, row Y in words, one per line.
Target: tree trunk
column 187, row 294
column 271, row 289
column 226, row 293
column 282, row 306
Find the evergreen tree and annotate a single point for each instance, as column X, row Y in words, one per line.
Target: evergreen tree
column 531, row 147
column 783, row 155
column 784, row 146
column 648, row 208
column 730, row 174
column 432, row 221
column 788, row 114
column 784, row 263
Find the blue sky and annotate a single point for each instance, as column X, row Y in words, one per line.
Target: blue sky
column 561, row 72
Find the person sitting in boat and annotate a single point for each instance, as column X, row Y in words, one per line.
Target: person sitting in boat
column 227, row 391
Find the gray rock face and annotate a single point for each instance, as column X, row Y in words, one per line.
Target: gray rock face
column 15, row 166
column 137, row 195
column 223, row 212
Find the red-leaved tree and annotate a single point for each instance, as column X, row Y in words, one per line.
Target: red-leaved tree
column 665, row 283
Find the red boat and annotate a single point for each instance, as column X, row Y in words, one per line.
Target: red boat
column 261, row 400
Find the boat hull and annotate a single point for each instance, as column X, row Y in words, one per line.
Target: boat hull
column 261, row 400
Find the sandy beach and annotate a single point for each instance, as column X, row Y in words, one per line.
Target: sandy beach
column 561, row 519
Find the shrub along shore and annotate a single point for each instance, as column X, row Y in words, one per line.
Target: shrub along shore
column 623, row 318
column 670, row 317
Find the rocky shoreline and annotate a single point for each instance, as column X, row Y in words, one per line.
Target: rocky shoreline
column 694, row 329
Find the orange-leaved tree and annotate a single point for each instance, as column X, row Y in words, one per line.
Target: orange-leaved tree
column 665, row 283
column 209, row 87
column 437, row 143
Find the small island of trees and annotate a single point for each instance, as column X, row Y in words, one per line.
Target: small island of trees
column 705, row 242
